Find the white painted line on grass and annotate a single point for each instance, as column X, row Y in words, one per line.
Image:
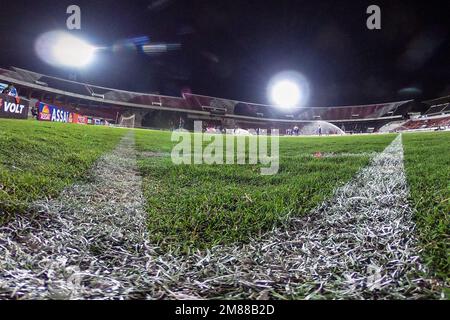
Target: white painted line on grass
column 360, row 244
column 92, row 242
column 84, row 244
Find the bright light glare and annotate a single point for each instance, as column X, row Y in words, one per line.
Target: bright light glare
column 59, row 48
column 286, row 94
column 288, row 89
column 71, row 51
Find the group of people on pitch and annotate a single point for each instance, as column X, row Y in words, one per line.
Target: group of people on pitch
column 296, row 131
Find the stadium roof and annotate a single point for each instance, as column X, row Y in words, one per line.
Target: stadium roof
column 438, row 100
column 188, row 102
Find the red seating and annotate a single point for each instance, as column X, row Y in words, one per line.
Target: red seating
column 191, row 102
column 426, row 123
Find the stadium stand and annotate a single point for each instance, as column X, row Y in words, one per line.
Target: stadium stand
column 159, row 111
column 392, row 126
column 427, row 123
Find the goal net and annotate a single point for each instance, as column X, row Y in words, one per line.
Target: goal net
column 127, row 122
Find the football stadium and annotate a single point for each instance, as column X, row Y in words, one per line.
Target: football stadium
column 110, row 193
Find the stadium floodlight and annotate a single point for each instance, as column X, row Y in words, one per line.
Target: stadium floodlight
column 288, row 89
column 73, row 52
column 63, row 49
column 285, row 94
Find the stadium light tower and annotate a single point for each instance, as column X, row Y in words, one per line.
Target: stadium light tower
column 72, row 52
column 285, row 94
column 288, row 90
column 63, row 49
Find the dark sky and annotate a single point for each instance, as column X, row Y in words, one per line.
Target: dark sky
column 232, row 48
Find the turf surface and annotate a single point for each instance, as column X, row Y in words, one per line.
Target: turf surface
column 203, row 205
column 39, row 159
column 427, row 163
column 197, row 206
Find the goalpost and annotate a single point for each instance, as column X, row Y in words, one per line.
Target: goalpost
column 127, row 122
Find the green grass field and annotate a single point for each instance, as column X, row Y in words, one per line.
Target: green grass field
column 203, row 205
column 39, row 159
column 197, row 206
column 427, row 163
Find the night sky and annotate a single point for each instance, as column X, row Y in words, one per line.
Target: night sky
column 232, row 48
